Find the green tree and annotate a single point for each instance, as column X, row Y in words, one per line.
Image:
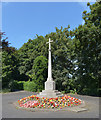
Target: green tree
column 87, row 51
column 9, row 63
column 28, row 52
column 9, row 69
column 62, row 53
column 62, row 58
column 40, row 71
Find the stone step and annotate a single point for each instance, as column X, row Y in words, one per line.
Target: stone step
column 50, row 93
column 56, row 93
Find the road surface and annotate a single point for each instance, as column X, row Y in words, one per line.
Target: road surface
column 10, row 111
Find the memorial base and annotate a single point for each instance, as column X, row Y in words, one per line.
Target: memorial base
column 50, row 94
column 50, row 91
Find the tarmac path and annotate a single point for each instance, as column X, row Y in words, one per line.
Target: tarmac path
column 10, row 111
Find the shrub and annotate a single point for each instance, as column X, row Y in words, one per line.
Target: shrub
column 13, row 85
column 73, row 91
column 63, row 92
column 16, row 85
column 30, row 86
column 5, row 90
column 21, row 85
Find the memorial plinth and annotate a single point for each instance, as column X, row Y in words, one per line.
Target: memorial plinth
column 49, row 91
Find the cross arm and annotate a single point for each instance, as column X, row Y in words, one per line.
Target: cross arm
column 49, row 42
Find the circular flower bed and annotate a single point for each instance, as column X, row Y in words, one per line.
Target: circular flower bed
column 59, row 102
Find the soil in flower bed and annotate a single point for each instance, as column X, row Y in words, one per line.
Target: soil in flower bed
column 49, row 103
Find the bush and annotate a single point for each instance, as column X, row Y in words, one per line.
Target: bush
column 21, row 85
column 13, row 85
column 16, row 85
column 63, row 92
column 30, row 86
column 73, row 91
column 89, row 91
column 5, row 90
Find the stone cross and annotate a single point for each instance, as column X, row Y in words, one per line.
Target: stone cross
column 49, row 91
column 49, row 62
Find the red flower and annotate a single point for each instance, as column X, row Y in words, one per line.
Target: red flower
column 56, row 98
column 68, row 104
column 71, row 102
column 37, row 97
column 54, row 105
column 57, row 105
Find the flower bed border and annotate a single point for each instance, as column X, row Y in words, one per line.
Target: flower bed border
column 79, row 108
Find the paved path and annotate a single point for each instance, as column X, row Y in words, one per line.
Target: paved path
column 9, row 110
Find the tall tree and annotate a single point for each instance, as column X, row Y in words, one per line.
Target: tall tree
column 87, row 48
column 28, row 53
column 39, row 71
column 4, row 44
column 61, row 55
column 9, row 63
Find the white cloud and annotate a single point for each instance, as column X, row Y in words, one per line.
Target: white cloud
column 83, row 22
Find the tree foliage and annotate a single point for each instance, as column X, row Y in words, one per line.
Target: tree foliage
column 9, row 63
column 76, row 57
column 61, row 56
column 88, row 51
column 40, row 71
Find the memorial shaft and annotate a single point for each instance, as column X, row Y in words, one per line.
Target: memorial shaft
column 49, row 62
column 49, row 91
